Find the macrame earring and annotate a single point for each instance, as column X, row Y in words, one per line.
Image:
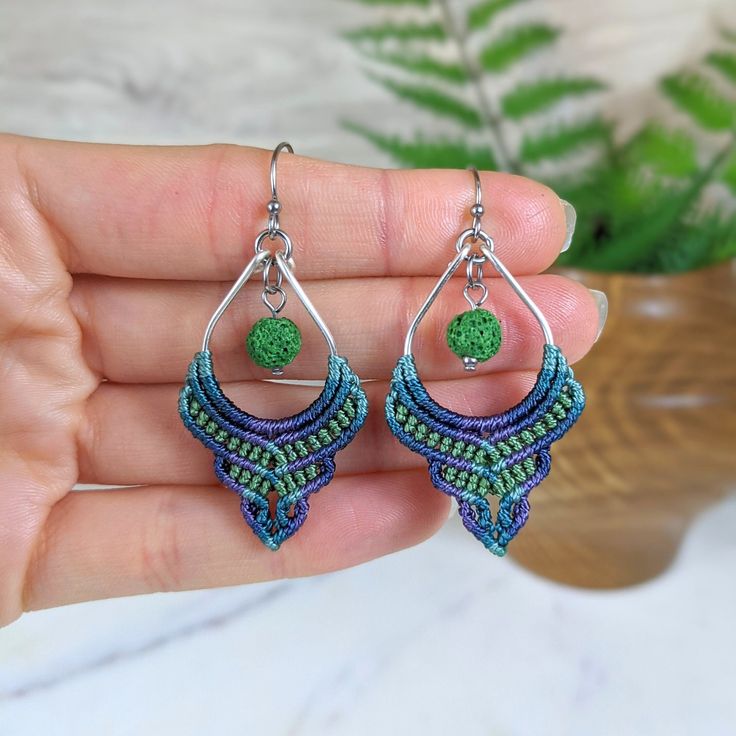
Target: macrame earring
column 476, row 458
column 274, row 465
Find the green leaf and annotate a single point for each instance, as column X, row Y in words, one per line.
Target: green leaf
column 423, row 153
column 398, row 32
column 698, row 97
column 535, row 97
column 706, row 240
column 564, row 141
column 728, row 173
column 515, row 44
column 638, row 233
column 724, row 243
column 422, row 65
column 480, row 15
column 433, row 100
column 724, row 62
column 667, row 152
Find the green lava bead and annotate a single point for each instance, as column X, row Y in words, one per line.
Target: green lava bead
column 475, row 334
column 273, row 342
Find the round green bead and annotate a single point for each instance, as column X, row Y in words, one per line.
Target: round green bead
column 273, row 342
column 475, row 334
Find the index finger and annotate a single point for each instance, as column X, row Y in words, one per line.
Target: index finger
column 194, row 212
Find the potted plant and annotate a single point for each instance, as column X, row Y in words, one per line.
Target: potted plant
column 656, row 231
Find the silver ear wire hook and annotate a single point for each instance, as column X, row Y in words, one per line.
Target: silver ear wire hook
column 477, row 209
column 277, row 266
column 274, row 206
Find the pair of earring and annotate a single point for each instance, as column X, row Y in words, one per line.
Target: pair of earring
column 275, row 465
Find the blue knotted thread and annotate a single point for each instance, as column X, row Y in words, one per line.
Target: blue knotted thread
column 273, row 462
column 473, row 458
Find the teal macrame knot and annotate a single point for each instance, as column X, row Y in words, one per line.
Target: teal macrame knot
column 475, row 334
column 273, row 342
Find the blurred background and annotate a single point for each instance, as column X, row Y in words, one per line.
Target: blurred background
column 613, row 614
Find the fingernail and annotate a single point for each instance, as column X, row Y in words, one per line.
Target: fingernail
column 571, row 218
column 601, row 301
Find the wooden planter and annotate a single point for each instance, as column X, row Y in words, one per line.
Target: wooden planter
column 657, row 442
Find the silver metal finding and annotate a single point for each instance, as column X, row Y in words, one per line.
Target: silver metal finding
column 474, row 273
column 429, row 301
column 254, row 264
column 274, row 206
column 467, row 245
column 272, row 288
column 281, row 235
column 477, row 209
column 287, row 270
column 279, row 260
column 516, row 286
column 272, row 232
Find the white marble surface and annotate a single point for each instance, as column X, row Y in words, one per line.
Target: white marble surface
column 436, row 640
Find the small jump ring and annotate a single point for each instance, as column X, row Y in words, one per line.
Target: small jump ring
column 258, row 246
column 470, row 235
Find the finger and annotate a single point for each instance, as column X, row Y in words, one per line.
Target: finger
column 146, row 332
column 100, row 544
column 133, row 434
column 193, row 213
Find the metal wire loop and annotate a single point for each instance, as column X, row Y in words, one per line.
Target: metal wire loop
column 469, row 236
column 288, row 248
column 474, row 271
column 477, row 285
column 271, row 288
column 267, row 283
column 266, row 299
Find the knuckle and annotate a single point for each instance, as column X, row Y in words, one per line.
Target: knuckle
column 160, row 545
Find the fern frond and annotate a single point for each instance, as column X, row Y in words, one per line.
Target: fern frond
column 728, row 173
column 640, row 225
column 423, row 153
column 432, row 31
column 480, row 15
column 422, row 65
column 724, row 243
column 641, row 205
column 564, row 141
column 515, row 44
column 667, row 152
column 433, row 100
column 724, row 62
column 698, row 96
column 707, row 240
column 535, row 97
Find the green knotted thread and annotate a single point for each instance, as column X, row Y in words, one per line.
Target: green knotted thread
column 273, row 342
column 475, row 334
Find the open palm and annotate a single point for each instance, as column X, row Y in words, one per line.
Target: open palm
column 112, row 259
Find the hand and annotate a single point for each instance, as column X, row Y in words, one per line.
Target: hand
column 112, row 260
